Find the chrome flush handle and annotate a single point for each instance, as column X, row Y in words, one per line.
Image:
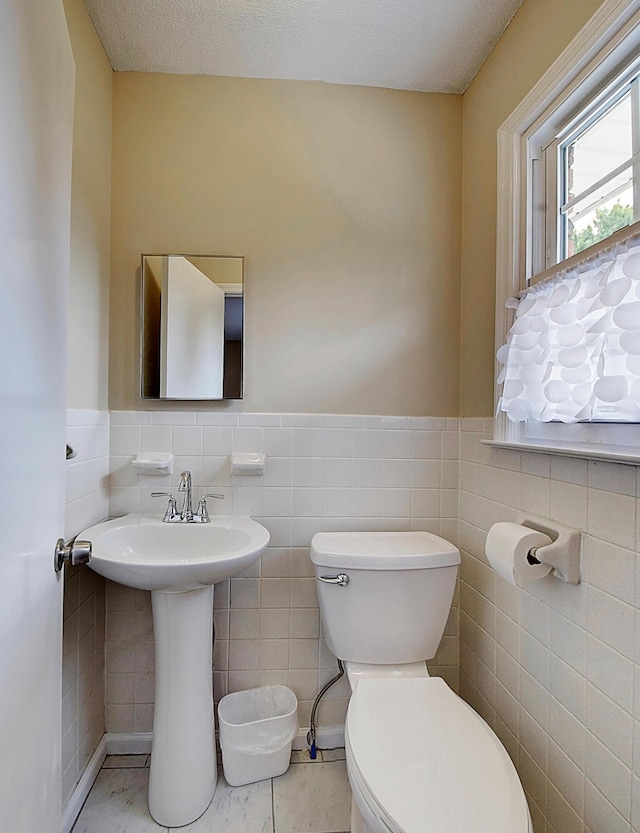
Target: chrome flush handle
column 342, row 579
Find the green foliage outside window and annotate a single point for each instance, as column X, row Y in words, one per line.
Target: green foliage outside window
column 607, row 221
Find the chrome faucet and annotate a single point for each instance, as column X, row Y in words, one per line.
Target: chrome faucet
column 186, row 514
column 185, row 486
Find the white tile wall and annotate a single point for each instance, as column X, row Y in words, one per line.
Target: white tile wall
column 83, row 674
column 323, row 472
column 87, row 474
column 554, row 667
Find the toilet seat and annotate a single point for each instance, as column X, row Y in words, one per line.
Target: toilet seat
column 420, row 759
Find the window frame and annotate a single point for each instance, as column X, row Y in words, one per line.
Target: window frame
column 586, row 69
column 549, row 212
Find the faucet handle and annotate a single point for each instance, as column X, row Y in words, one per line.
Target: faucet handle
column 172, row 509
column 203, row 512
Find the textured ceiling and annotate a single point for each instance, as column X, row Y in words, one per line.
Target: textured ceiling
column 430, row 45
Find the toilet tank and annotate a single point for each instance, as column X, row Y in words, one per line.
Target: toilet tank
column 394, row 606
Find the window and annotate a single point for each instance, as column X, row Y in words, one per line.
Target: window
column 598, row 167
column 589, row 173
column 569, row 178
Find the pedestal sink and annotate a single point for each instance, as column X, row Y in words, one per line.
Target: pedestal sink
column 179, row 563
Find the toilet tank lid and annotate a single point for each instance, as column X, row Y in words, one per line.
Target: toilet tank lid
column 382, row 550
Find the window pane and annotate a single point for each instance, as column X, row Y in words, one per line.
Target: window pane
column 599, row 215
column 599, row 149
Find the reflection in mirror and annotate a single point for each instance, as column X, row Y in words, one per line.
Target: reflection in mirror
column 192, row 327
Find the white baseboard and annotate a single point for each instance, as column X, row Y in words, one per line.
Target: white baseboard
column 139, row 743
column 79, row 795
column 327, row 737
column 129, row 743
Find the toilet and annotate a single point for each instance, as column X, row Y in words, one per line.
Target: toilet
column 419, row 759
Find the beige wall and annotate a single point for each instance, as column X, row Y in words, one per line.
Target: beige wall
column 346, row 203
column 90, row 213
column 83, row 671
column 536, row 36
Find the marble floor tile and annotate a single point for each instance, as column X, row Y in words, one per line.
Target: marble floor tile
column 333, row 754
column 312, row 799
column 117, row 803
column 126, row 761
column 301, row 756
column 245, row 809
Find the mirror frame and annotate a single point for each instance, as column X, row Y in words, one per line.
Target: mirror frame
column 158, row 398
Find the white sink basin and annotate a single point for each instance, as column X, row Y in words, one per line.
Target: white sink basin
column 141, row 551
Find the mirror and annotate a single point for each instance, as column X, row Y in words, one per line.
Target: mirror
column 192, row 322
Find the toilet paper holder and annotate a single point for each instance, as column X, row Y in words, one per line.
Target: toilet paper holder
column 563, row 554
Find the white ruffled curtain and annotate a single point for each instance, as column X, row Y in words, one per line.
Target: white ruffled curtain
column 573, row 352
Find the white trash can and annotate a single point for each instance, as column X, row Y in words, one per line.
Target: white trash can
column 257, row 728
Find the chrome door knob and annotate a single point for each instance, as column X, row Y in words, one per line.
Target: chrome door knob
column 74, row 553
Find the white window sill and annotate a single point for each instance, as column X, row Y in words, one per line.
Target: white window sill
column 628, row 455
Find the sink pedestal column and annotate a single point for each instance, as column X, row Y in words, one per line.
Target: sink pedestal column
column 183, row 772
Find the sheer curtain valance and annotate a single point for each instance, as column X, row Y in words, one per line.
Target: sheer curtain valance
column 573, row 351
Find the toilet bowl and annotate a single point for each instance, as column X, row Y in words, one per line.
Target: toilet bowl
column 419, row 759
